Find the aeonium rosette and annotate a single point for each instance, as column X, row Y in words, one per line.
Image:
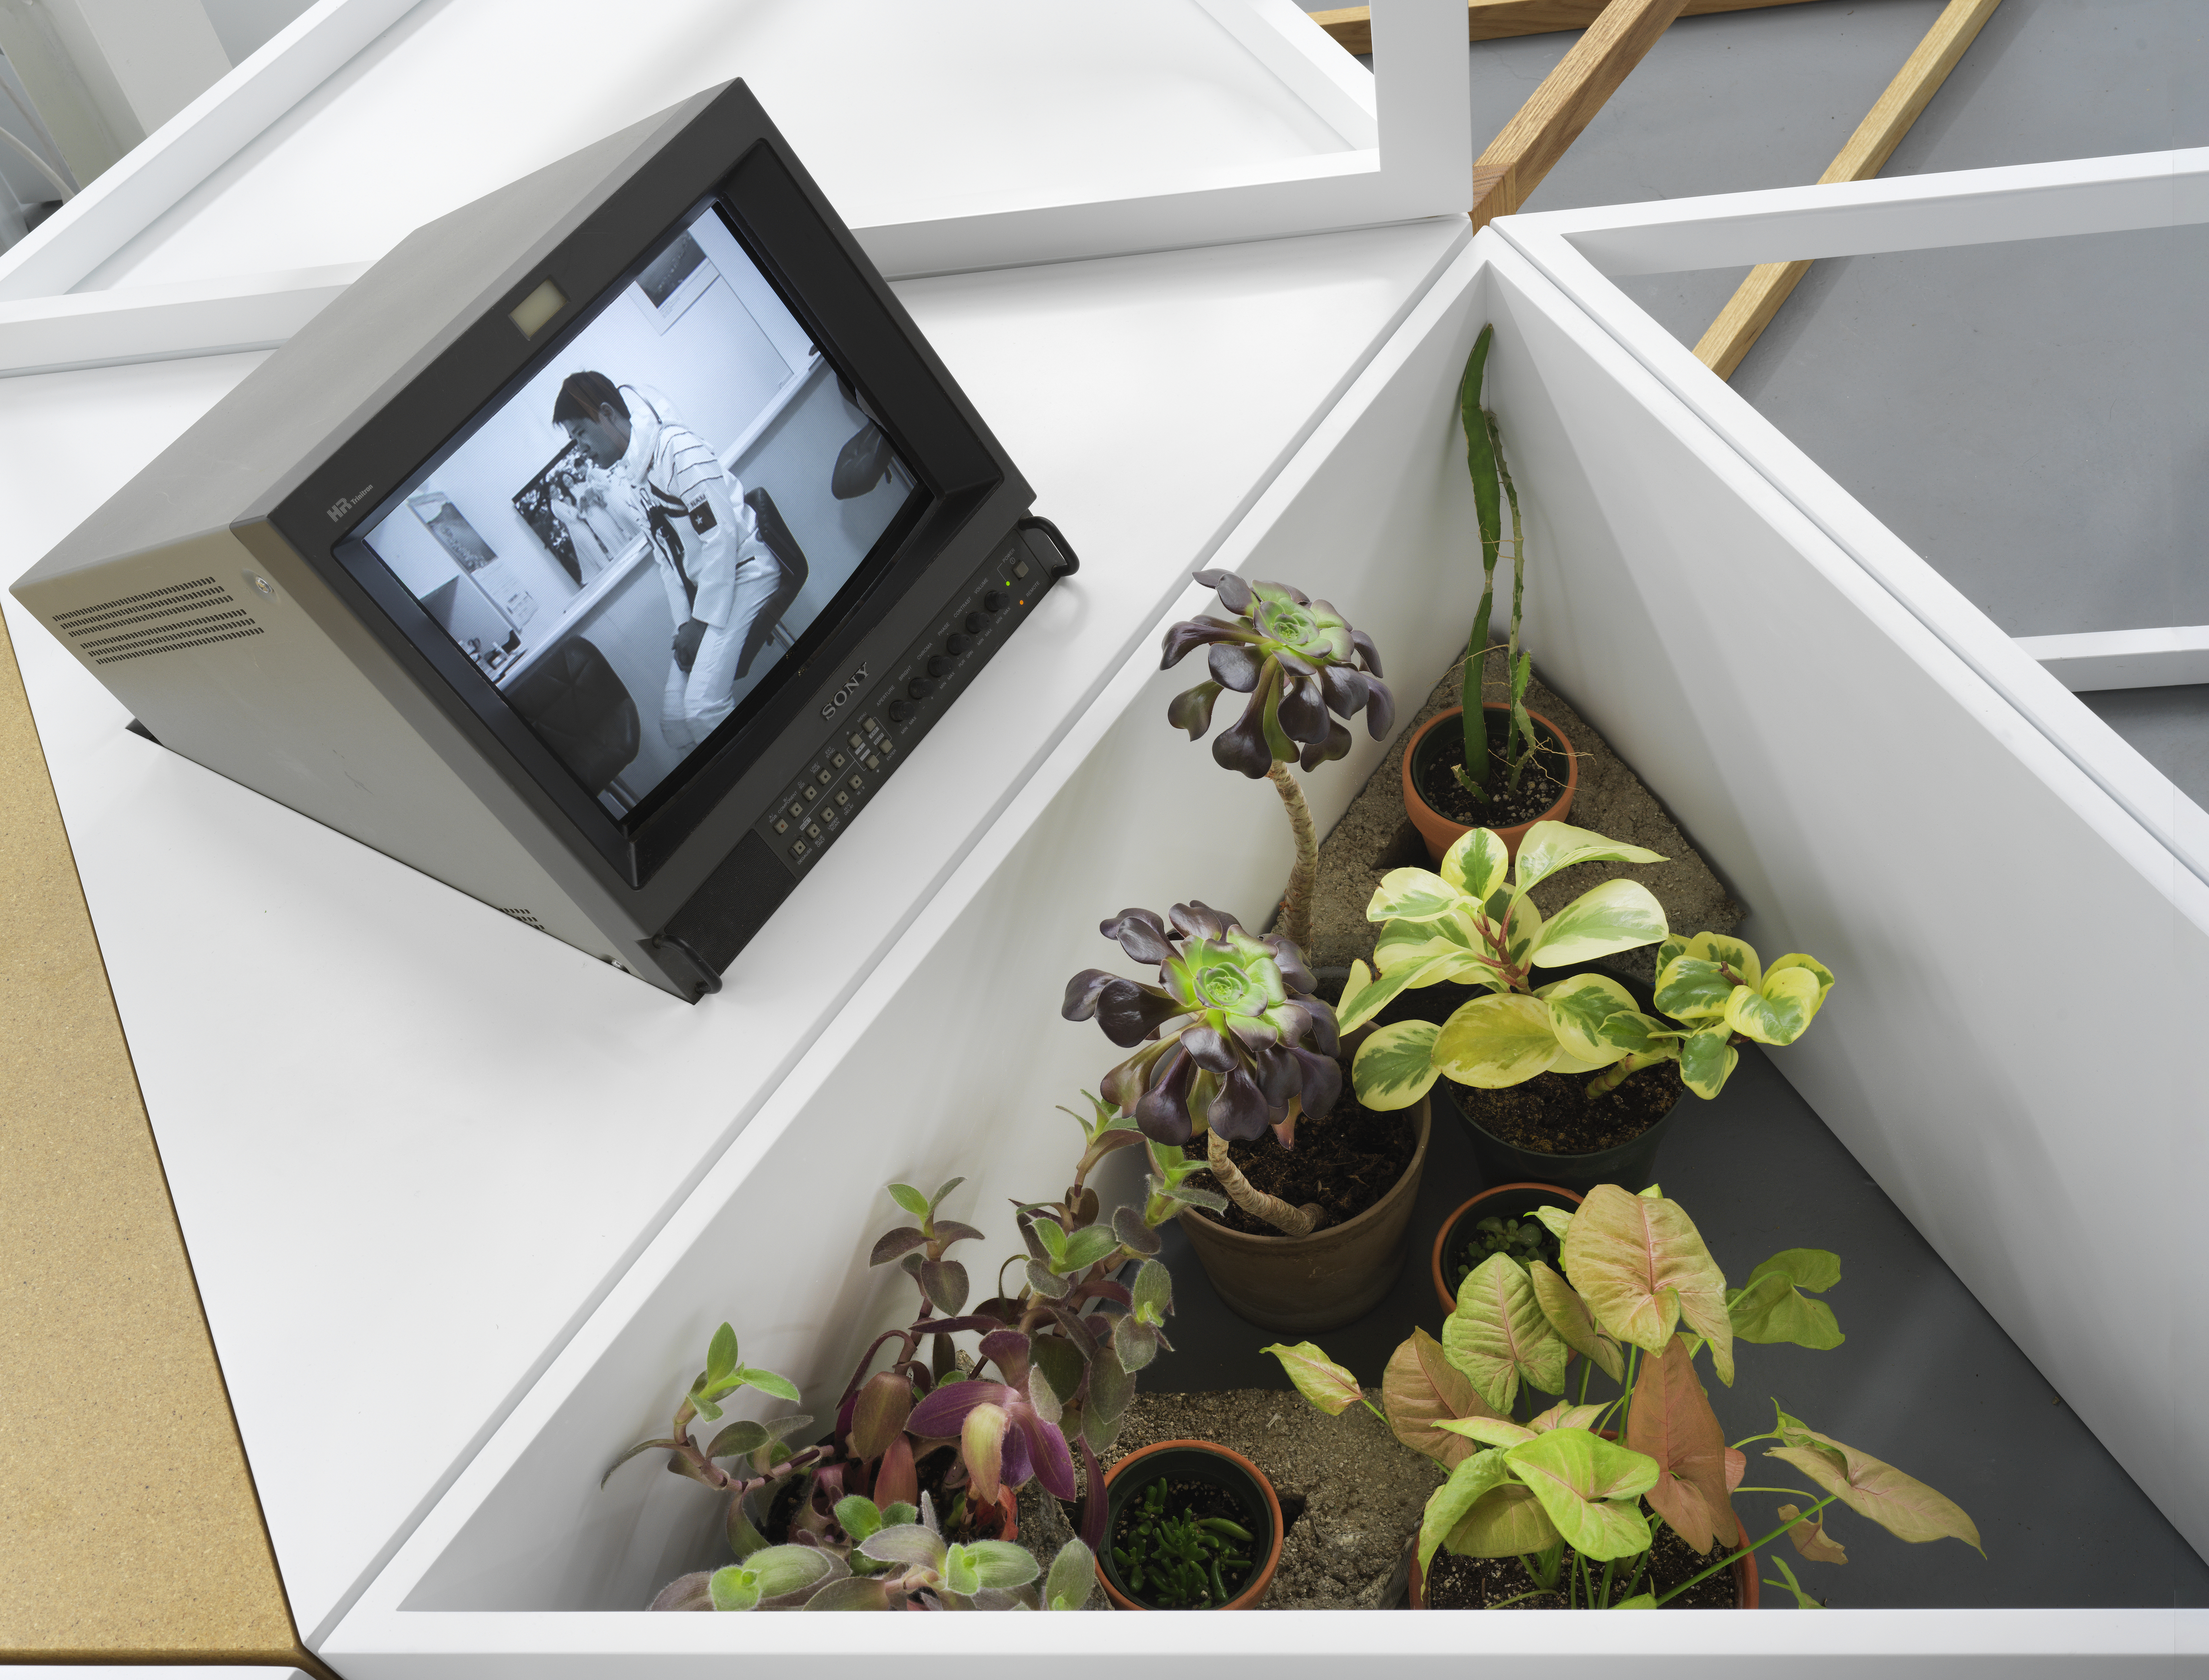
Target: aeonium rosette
column 1229, row 1040
column 1297, row 659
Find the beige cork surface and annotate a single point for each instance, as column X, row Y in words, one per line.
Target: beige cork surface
column 128, row 1527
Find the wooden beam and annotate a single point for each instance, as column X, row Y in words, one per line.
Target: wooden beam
column 1499, row 19
column 1751, row 309
column 1566, row 103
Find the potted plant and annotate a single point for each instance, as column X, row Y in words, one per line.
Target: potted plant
column 1046, row 1386
column 1474, row 925
column 1626, row 1503
column 1191, row 1525
column 1499, row 766
column 1231, row 1043
column 1499, row 1220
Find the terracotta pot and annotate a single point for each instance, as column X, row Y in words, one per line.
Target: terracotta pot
column 1437, row 830
column 1506, row 1200
column 1199, row 1461
column 1745, row 1585
column 1301, row 1285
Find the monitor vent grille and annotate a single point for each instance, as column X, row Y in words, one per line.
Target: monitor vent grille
column 196, row 614
column 521, row 915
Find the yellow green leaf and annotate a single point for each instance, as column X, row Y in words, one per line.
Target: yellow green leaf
column 1640, row 1265
column 1901, row 1504
column 1771, row 1309
column 1614, row 916
column 1556, row 1220
column 1489, row 1431
column 1565, row 1416
column 1447, row 1506
column 1550, row 846
column 1580, row 1006
column 1477, row 864
column 1364, row 995
column 1590, row 1488
column 1412, row 895
column 1498, row 1335
column 1395, row 1066
column 1495, row 1041
column 1810, row 1538
column 1328, row 1386
column 1777, row 1013
column 1522, row 926
column 1738, row 955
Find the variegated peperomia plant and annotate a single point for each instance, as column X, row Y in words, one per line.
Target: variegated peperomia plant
column 1048, row 1383
column 1475, row 923
column 1302, row 666
column 1577, row 1490
column 1229, row 1042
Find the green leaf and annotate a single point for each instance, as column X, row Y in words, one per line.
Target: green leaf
column 1489, row 1431
column 1589, row 1488
column 1707, row 1060
column 1475, row 864
column 1492, row 1042
column 1803, row 1599
column 640, row 1447
column 997, row 1564
column 906, row 1543
column 1550, row 846
column 942, row 1190
column 1580, row 1007
column 1637, row 1034
column 1568, row 1314
column 1639, row 1601
column 733, row 1588
column 1770, row 1308
column 1072, row 1579
column 1498, row 1335
column 1413, row 895
column 1395, row 1066
column 781, row 1569
column 739, row 1439
column 1052, row 1236
column 1901, row 1504
column 1640, row 1265
column 859, row 1515
column 1152, row 1294
column 768, row 1382
column 909, row 1199
column 1088, row 1245
column 1447, row 1505
column 721, row 1354
column 1614, row 915
column 1327, row 1385
column 853, row 1593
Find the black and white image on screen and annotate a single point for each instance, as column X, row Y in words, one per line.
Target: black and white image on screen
column 676, row 496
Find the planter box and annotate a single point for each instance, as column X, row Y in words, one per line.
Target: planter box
column 1752, row 668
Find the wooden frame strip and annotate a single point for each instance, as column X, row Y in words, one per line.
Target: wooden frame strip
column 1566, row 102
column 1500, row 20
column 1752, row 307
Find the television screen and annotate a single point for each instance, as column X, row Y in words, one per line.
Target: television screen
column 633, row 543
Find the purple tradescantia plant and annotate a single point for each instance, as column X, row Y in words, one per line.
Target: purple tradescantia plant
column 1302, row 666
column 1221, row 1041
column 1297, row 659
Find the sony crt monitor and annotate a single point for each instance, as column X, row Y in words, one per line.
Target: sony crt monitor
column 599, row 553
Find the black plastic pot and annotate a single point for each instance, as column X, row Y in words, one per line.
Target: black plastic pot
column 1195, row 1461
column 1632, row 1163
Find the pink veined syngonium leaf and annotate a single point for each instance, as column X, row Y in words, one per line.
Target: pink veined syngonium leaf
column 1671, row 1422
column 1640, row 1265
column 1420, row 1388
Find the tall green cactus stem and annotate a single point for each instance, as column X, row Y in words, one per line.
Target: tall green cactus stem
column 1480, row 467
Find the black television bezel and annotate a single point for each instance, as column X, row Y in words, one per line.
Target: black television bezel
column 729, row 155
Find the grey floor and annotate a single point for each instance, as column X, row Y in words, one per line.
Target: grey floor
column 2026, row 417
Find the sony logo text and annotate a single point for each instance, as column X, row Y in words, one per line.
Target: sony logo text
column 843, row 696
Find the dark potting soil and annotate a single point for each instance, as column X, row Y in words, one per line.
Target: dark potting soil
column 1554, row 1114
column 1344, row 1163
column 1199, row 1500
column 1541, row 784
column 1478, row 1583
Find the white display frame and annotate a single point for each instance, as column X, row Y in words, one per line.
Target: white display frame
column 1583, row 250
column 1677, row 551
column 1406, row 125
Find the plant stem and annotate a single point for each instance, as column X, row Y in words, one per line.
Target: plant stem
column 1290, row 1221
column 1728, row 1560
column 1296, row 903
